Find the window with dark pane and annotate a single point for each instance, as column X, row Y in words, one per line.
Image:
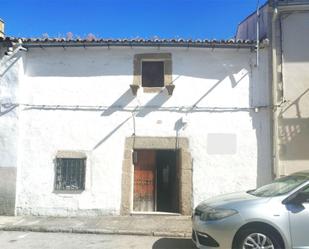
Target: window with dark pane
column 70, row 174
column 152, row 73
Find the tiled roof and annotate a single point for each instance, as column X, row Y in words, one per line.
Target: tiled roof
column 55, row 42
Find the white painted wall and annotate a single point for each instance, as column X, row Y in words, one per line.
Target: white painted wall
column 99, row 78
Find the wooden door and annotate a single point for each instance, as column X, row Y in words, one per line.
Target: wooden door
column 144, row 180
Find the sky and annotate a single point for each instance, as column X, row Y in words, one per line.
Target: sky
column 189, row 19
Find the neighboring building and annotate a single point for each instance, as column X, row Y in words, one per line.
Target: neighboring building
column 246, row 30
column 9, row 77
column 1, row 28
column 287, row 28
column 290, row 38
column 121, row 126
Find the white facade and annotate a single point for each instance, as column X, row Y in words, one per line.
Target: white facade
column 77, row 99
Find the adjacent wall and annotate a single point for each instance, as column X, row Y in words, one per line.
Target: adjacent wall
column 293, row 116
column 79, row 100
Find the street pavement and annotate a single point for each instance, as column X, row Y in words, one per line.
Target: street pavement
column 36, row 240
column 146, row 225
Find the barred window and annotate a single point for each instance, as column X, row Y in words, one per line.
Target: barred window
column 70, row 174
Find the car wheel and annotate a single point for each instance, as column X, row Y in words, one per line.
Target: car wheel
column 258, row 239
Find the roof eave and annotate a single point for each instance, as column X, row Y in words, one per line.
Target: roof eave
column 240, row 45
column 295, row 7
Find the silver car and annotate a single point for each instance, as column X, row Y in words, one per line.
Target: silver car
column 270, row 217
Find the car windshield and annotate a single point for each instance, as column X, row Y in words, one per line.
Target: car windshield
column 280, row 186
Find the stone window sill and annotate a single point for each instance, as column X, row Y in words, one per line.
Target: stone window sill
column 68, row 192
column 152, row 89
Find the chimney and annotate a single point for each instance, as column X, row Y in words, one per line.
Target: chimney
column 1, row 28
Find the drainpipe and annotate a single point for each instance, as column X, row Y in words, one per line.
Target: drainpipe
column 257, row 33
column 275, row 168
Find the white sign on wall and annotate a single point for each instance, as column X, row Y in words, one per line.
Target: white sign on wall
column 221, row 143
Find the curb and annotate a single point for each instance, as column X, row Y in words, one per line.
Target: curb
column 176, row 234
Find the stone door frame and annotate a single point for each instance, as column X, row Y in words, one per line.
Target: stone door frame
column 157, row 143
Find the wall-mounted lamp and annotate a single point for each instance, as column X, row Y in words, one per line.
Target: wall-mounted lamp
column 134, row 157
column 134, row 89
column 170, row 88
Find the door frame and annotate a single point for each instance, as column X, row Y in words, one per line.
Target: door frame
column 158, row 143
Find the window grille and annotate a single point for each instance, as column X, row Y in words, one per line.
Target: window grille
column 70, row 174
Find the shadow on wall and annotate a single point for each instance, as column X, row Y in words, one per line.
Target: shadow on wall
column 5, row 68
column 293, row 130
column 173, row 243
column 294, row 138
column 156, row 102
column 153, row 104
column 261, row 124
column 7, row 108
column 261, row 116
column 111, row 133
column 121, row 102
column 7, row 190
column 66, row 62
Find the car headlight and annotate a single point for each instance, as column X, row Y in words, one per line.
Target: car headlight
column 208, row 213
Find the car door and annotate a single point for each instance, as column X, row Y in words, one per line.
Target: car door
column 299, row 219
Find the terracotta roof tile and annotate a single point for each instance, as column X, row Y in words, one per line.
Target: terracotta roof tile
column 179, row 42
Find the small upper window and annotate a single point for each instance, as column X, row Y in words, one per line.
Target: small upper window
column 70, row 174
column 153, row 74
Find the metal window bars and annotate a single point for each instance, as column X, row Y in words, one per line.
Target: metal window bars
column 70, row 174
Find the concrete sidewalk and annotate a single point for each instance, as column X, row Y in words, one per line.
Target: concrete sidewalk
column 147, row 225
